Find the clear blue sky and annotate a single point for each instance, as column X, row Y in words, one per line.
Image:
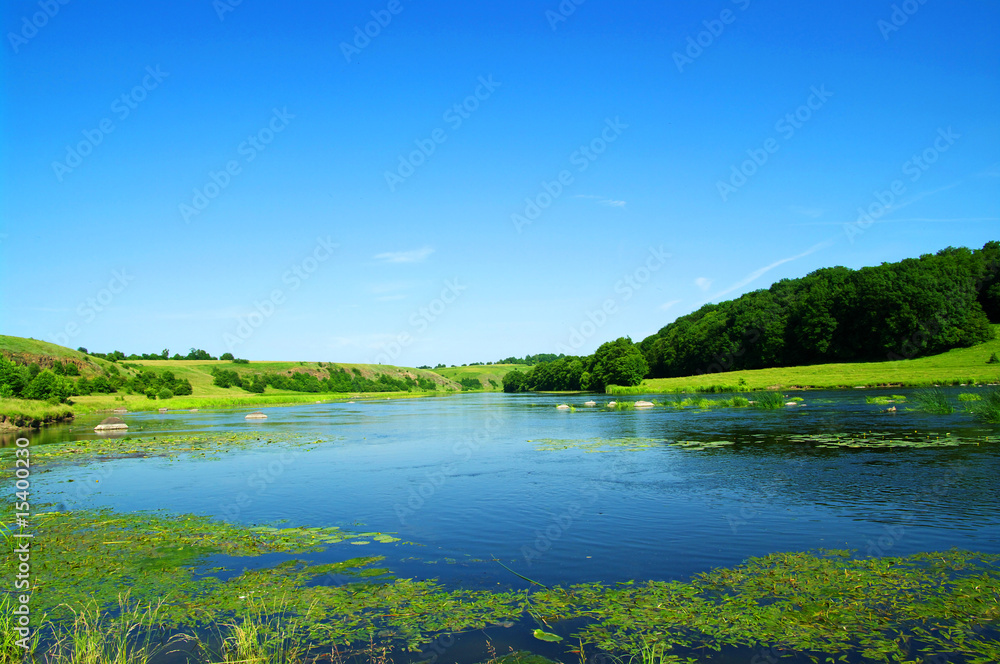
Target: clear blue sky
column 310, row 128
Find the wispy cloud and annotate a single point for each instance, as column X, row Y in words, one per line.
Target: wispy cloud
column 412, row 256
column 815, row 213
column 703, row 283
column 913, row 220
column 391, row 298
column 602, row 200
column 757, row 274
column 667, row 305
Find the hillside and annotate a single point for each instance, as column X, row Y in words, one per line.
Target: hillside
column 957, row 366
column 483, row 373
column 128, row 384
column 45, row 354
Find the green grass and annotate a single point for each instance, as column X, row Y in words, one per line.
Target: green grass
column 883, row 400
column 988, row 406
column 29, row 351
column 18, row 413
column 956, row 367
column 768, row 400
column 484, row 374
column 933, row 400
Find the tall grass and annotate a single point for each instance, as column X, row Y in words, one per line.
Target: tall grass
column 26, row 412
column 988, row 406
column 768, row 400
column 933, row 400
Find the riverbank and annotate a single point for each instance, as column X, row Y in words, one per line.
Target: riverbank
column 18, row 414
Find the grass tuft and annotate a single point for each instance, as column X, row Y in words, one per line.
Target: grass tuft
column 768, row 400
column 933, row 400
column 988, row 406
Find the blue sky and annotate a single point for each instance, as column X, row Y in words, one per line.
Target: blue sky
column 498, row 178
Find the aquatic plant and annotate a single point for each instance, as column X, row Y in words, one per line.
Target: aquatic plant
column 933, row 400
column 988, row 406
column 883, row 400
column 968, row 396
column 768, row 400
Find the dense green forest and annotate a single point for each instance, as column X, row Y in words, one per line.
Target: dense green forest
column 918, row 306
column 56, row 385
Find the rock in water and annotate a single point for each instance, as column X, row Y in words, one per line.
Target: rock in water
column 111, row 424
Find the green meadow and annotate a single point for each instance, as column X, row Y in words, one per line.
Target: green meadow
column 955, row 367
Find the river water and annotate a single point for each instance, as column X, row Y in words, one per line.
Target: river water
column 566, row 497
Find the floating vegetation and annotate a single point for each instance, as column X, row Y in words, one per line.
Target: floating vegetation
column 933, row 400
column 596, row 444
column 695, row 445
column 884, row 400
column 207, row 445
column 887, row 609
column 969, row 396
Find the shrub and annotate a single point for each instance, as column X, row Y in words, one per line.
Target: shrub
column 226, row 356
column 993, row 359
column 239, row 360
column 165, row 393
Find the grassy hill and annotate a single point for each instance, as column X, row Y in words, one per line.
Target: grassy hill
column 961, row 365
column 483, row 373
column 43, row 353
column 20, row 412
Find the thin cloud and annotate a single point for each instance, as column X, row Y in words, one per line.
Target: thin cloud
column 412, row 256
column 757, row 274
column 391, row 298
column 703, row 283
column 667, row 305
column 603, row 200
column 815, row 213
column 914, row 220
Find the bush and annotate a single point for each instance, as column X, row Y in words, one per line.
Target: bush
column 166, row 394
column 151, row 393
column 993, row 359
column 226, row 356
column 240, row 361
column 988, row 407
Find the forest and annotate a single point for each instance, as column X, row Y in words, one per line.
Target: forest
column 916, row 307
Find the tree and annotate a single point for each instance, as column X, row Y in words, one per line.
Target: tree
column 618, row 362
column 515, row 381
column 226, row 356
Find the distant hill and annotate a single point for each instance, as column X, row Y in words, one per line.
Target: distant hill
column 45, row 354
column 914, row 308
column 483, row 373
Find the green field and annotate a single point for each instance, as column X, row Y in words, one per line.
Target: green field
column 962, row 365
column 483, row 373
column 18, row 413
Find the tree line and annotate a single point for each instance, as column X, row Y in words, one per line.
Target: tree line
column 618, row 362
column 916, row 307
column 338, row 381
